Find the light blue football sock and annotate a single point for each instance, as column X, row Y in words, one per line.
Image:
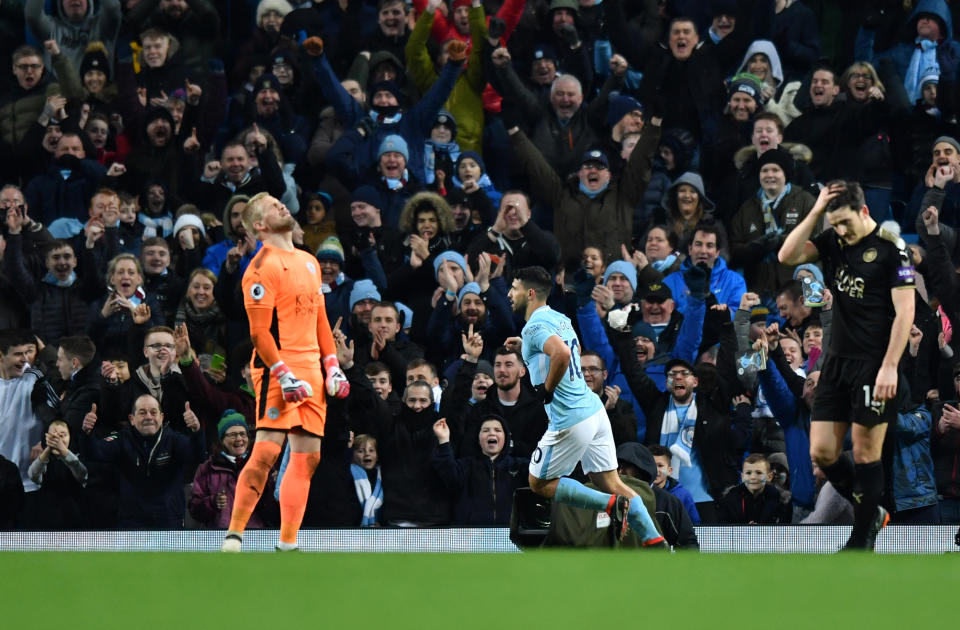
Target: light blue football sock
column 640, row 521
column 570, row 492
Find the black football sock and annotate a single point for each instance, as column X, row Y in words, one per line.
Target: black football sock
column 841, row 475
column 867, row 490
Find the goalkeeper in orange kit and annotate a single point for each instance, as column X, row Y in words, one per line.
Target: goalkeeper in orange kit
column 291, row 339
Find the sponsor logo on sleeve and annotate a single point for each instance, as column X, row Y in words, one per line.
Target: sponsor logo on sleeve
column 906, row 274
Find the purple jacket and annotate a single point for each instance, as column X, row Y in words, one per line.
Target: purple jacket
column 219, row 474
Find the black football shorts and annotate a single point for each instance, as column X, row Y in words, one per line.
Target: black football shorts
column 845, row 393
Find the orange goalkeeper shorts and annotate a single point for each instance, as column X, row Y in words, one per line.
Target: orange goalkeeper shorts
column 273, row 412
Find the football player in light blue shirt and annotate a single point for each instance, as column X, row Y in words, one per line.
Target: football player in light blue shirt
column 579, row 430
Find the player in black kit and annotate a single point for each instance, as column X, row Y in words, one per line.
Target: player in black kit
column 872, row 281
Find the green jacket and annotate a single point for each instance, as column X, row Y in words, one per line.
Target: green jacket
column 465, row 101
column 606, row 221
column 21, row 109
column 577, row 527
column 759, row 258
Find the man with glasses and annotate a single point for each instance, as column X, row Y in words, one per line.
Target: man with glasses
column 23, row 104
column 160, row 377
column 622, row 419
column 705, row 440
column 593, row 209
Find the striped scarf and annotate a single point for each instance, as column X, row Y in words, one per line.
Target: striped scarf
column 370, row 498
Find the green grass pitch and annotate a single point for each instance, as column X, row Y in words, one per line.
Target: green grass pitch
column 540, row 590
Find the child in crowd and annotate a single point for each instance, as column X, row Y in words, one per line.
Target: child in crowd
column 666, row 481
column 755, row 501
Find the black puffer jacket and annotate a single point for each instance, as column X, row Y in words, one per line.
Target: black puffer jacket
column 482, row 488
column 411, row 490
column 82, row 391
column 740, row 507
column 720, row 438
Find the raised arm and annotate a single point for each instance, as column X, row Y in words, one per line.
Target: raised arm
column 478, row 42
column 546, row 184
column 797, row 248
column 39, row 23
column 348, row 110
column 419, row 64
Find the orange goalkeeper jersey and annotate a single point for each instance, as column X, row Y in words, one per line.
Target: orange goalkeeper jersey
column 284, row 288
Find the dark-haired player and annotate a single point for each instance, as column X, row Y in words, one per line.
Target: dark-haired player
column 578, row 429
column 872, row 280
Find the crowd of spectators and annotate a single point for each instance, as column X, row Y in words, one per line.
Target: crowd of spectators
column 651, row 154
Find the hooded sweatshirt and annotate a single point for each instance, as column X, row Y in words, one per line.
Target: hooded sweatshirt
column 102, row 23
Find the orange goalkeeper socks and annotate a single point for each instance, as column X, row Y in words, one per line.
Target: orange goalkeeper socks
column 293, row 493
column 250, row 484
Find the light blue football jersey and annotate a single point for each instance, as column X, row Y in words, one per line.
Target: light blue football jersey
column 573, row 401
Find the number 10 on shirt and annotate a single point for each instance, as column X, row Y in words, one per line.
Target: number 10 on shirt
column 575, row 371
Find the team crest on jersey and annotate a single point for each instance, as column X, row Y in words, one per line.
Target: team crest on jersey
column 257, row 291
column 870, row 255
column 273, row 413
column 311, row 268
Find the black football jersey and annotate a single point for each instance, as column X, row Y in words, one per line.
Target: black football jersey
column 860, row 277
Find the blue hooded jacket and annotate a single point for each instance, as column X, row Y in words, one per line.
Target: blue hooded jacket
column 687, row 343
column 795, row 420
column 725, row 283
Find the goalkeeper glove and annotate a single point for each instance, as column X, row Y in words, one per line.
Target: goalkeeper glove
column 337, row 384
column 294, row 390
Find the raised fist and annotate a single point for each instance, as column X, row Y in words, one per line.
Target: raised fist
column 456, row 49
column 313, row 46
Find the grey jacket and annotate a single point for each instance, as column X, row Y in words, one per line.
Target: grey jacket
column 102, row 24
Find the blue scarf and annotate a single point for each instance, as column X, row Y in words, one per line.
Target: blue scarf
column 676, row 432
column 924, row 58
column 370, row 498
column 138, row 297
column 395, row 184
column 593, row 193
column 767, row 206
column 661, row 265
column 484, row 182
column 63, row 284
column 430, row 150
column 156, row 226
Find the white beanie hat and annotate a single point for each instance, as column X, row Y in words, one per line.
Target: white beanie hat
column 185, row 220
column 280, row 6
